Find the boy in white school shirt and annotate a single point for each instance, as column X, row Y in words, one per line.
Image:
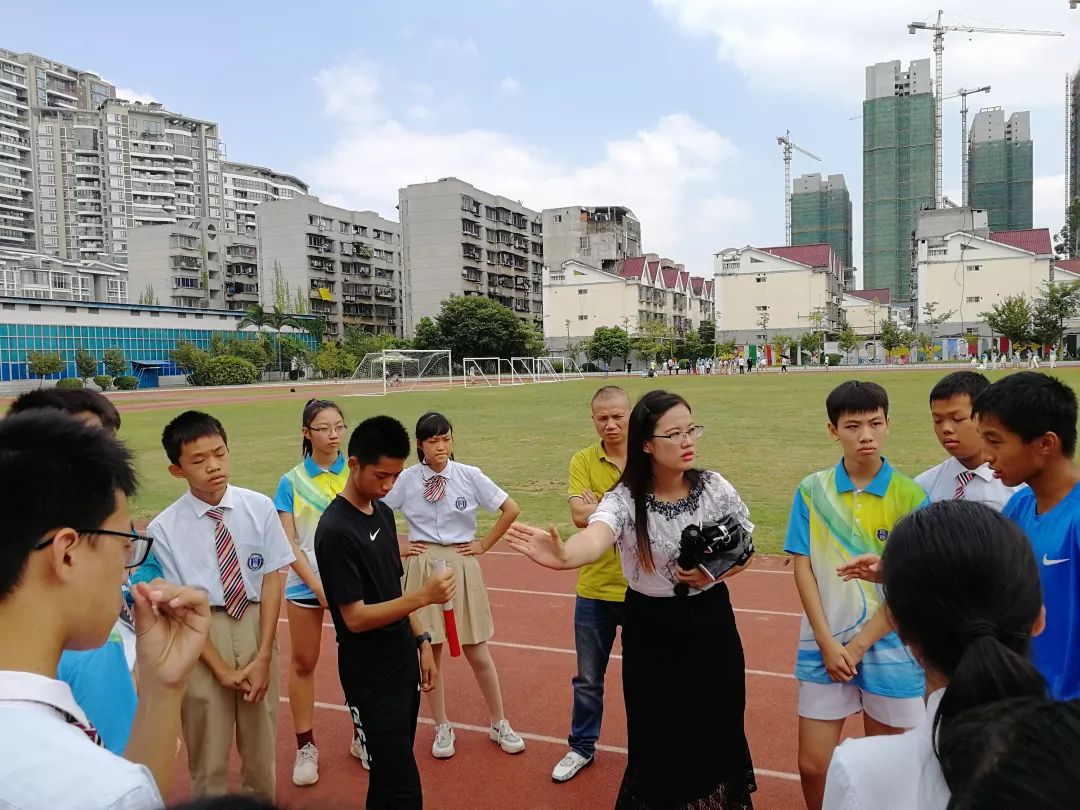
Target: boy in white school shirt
column 229, row 542
column 67, row 546
column 965, row 475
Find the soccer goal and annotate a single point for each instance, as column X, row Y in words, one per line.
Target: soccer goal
column 544, row 369
column 394, row 370
column 480, row 372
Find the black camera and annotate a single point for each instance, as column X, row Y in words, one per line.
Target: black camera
column 717, row 547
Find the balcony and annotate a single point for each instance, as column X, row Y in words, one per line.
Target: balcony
column 188, row 263
column 242, row 251
column 385, row 293
column 470, row 274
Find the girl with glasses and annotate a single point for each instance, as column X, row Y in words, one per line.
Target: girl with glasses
column 302, row 496
column 683, row 667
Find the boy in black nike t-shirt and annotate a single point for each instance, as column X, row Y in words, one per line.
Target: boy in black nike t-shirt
column 378, row 636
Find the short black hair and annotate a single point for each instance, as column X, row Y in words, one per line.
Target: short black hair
column 608, row 392
column 69, row 400
column 377, row 437
column 855, row 396
column 55, row 472
column 959, row 383
column 428, row 426
column 1031, row 404
column 187, row 427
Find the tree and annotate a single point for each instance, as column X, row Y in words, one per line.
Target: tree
column 115, row 362
column 529, row 341
column 1011, row 318
column 934, row 320
column 275, row 319
column 428, row 335
column 300, row 306
column 85, row 363
column 189, row 357
column 1056, row 304
column 650, row 339
column 727, row 349
column 849, row 341
column 333, row 361
column 691, row 348
column 148, row 297
column 280, row 287
column 1066, row 240
column 875, row 313
column 926, row 346
column 359, row 342
column 891, row 337
column 782, row 345
column 607, row 343
column 476, row 326
column 315, row 326
column 42, row 364
column 707, row 332
column 257, row 352
column 763, row 323
column 817, row 319
column 908, row 340
column 812, row 342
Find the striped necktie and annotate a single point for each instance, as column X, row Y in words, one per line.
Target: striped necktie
column 962, row 480
column 85, row 728
column 232, row 583
column 434, row 488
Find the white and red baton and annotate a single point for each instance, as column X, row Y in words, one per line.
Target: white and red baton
column 448, row 617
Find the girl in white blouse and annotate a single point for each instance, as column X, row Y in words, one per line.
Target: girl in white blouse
column 682, row 655
column 962, row 586
column 440, row 498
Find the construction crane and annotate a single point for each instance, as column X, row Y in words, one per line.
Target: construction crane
column 939, row 48
column 785, row 141
column 964, row 140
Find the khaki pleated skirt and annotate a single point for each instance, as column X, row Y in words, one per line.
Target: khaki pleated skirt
column 471, row 608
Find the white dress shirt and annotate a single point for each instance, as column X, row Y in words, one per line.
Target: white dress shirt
column 47, row 762
column 184, row 541
column 452, row 518
column 901, row 767
column 940, row 484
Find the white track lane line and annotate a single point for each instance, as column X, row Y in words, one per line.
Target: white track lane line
column 543, row 738
column 750, row 570
column 571, row 596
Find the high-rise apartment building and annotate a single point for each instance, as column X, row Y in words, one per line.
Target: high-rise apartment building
column 821, row 214
column 25, row 274
column 898, row 170
column 460, row 240
column 1000, row 168
column 598, row 236
column 341, row 264
column 1074, row 136
column 17, row 198
column 246, row 186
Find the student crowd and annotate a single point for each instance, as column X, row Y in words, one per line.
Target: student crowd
column 942, row 608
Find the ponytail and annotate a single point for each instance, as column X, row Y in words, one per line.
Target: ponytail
column 963, row 588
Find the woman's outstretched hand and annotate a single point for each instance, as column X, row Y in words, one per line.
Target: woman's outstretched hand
column 865, row 566
column 540, row 546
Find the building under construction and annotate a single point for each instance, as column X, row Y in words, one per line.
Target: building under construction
column 1000, row 168
column 821, row 214
column 898, row 170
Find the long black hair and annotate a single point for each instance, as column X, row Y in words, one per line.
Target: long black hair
column 428, row 426
column 638, row 473
column 313, row 408
column 963, row 587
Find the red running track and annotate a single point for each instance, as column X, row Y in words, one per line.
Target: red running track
column 533, row 650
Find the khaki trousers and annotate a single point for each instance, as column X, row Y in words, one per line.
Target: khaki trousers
column 210, row 712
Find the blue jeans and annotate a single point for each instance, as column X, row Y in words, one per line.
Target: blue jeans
column 594, row 633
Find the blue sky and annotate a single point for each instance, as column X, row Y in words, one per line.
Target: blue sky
column 671, row 107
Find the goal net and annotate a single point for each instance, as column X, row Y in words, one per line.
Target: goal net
column 544, row 369
column 480, row 372
column 393, row 370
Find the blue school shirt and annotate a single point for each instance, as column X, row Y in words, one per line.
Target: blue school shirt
column 1055, row 537
column 102, row 686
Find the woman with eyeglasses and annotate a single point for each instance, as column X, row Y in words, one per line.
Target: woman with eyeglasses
column 302, row 496
column 439, row 498
column 683, row 667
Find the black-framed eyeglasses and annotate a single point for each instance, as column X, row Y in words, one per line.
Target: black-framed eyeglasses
column 138, row 551
column 696, row 432
column 331, row 430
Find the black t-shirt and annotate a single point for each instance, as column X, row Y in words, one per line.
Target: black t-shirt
column 359, row 562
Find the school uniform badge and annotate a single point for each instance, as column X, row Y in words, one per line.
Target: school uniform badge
column 461, row 503
column 255, row 562
column 882, row 535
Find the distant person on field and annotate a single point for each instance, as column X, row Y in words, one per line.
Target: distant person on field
column 966, row 475
column 1028, row 421
column 66, row 548
column 228, row 542
column 601, row 588
column 849, row 659
column 963, row 589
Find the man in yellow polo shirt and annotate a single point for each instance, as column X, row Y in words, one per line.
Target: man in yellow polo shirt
column 601, row 589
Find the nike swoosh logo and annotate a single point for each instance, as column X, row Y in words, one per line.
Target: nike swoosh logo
column 374, row 534
column 1048, row 561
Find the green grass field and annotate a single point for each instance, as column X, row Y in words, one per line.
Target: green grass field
column 763, row 432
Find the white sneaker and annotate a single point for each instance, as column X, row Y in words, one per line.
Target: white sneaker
column 507, row 739
column 443, row 747
column 569, row 766
column 358, row 750
column 306, row 769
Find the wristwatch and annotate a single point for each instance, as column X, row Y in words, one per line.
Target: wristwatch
column 420, row 639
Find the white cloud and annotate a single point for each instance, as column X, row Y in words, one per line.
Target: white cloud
column 463, row 47
column 135, row 95
column 1048, row 202
column 668, row 173
column 418, row 112
column 821, row 49
column 509, row 86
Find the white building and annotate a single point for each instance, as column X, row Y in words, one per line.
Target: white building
column 246, row 186
column 578, row 298
column 866, row 310
column 967, row 275
column 780, row 287
column 25, row 274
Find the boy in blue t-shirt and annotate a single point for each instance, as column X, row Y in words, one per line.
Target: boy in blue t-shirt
column 1028, row 421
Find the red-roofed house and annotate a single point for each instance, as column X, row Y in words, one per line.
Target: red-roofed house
column 1033, row 240
column 781, row 287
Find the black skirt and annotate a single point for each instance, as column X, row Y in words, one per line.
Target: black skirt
column 684, row 683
